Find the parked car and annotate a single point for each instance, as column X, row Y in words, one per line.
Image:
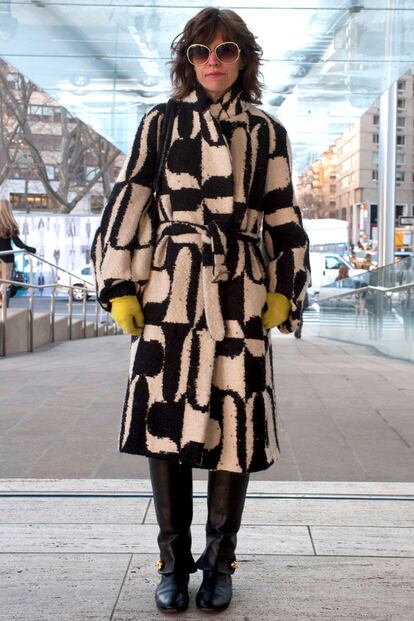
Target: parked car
column 324, row 270
column 402, row 254
column 83, row 279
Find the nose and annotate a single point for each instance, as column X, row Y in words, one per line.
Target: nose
column 212, row 59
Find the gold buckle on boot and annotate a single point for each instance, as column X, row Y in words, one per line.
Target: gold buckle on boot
column 159, row 564
column 234, row 564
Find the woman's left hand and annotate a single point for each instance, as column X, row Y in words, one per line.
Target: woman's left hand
column 278, row 309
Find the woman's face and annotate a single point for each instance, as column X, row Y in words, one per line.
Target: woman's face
column 217, row 77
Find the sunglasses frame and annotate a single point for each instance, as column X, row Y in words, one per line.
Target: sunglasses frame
column 210, row 51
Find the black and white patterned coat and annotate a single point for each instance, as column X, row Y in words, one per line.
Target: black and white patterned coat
column 227, row 230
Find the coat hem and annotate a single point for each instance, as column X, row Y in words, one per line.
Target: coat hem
column 176, row 457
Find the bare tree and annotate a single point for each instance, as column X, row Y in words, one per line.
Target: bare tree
column 80, row 146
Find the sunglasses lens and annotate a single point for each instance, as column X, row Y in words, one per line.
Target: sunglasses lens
column 198, row 54
column 227, row 52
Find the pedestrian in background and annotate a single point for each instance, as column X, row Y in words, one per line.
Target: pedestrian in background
column 189, row 283
column 343, row 273
column 9, row 232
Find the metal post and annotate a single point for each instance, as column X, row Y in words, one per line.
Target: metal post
column 84, row 311
column 30, row 311
column 70, row 308
column 355, row 223
column 386, row 160
column 53, row 304
column 96, row 318
column 3, row 321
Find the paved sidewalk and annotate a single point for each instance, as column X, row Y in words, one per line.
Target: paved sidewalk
column 83, row 550
column 344, row 412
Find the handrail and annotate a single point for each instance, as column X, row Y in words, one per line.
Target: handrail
column 384, row 290
column 53, row 266
column 52, row 312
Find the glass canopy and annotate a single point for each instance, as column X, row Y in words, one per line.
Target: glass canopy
column 325, row 62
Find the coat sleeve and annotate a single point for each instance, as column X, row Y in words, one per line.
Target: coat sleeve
column 284, row 237
column 122, row 248
column 20, row 244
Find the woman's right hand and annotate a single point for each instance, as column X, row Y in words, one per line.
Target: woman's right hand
column 126, row 311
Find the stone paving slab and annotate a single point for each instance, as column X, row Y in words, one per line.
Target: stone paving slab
column 120, row 587
column 75, row 550
column 257, row 511
column 136, row 486
column 345, row 413
column 60, row 587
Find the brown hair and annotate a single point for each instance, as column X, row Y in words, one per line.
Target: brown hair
column 8, row 223
column 343, row 272
column 201, row 29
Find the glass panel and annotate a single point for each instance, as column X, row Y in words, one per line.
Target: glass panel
column 324, row 64
column 374, row 308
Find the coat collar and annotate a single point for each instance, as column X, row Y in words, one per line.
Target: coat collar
column 230, row 104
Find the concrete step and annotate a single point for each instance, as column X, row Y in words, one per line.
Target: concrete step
column 18, row 332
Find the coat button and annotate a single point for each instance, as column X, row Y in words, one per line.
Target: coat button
column 159, row 564
column 234, row 565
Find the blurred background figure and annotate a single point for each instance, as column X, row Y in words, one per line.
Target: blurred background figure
column 9, row 232
column 343, row 272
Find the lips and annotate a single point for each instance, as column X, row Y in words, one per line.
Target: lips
column 214, row 74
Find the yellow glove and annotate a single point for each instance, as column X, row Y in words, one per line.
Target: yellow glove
column 127, row 313
column 278, row 309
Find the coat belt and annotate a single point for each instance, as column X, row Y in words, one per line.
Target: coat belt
column 214, row 262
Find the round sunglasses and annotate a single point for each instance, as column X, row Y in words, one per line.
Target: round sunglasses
column 227, row 52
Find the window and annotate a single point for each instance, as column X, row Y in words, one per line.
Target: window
column 29, row 201
column 45, row 113
column 91, row 171
column 400, row 158
column 332, row 263
column 332, row 188
column 375, row 138
column 399, row 210
column 375, row 119
column 50, row 171
column 332, row 204
column 13, row 80
column 400, row 121
column 401, row 103
column 401, row 84
column 375, row 157
column 375, row 175
column 400, row 140
column 399, row 175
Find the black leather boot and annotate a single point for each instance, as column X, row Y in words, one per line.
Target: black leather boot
column 172, row 486
column 226, row 496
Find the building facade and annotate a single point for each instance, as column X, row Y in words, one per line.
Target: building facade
column 351, row 165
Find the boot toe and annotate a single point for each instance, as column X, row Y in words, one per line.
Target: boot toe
column 215, row 592
column 171, row 595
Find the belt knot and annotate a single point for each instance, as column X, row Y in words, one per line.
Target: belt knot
column 215, row 237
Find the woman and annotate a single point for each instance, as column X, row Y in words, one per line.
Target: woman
column 200, row 390
column 343, row 272
column 9, row 232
